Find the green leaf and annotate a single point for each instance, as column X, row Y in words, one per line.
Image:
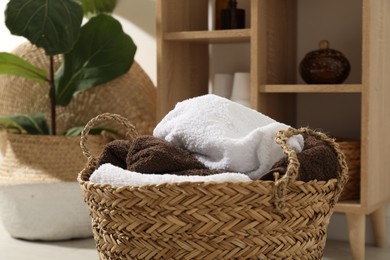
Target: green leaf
column 92, row 7
column 9, row 124
column 75, row 131
column 53, row 25
column 102, row 53
column 14, row 65
column 34, row 124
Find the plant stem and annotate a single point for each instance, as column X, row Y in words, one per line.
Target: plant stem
column 52, row 98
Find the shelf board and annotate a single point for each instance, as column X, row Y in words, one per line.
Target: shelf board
column 352, row 206
column 218, row 36
column 311, row 88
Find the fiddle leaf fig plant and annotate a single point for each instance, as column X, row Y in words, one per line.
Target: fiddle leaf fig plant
column 53, row 25
column 94, row 53
column 96, row 58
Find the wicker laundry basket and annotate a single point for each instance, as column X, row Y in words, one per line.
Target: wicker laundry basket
column 256, row 219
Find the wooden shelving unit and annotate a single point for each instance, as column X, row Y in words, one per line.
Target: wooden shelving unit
column 183, row 72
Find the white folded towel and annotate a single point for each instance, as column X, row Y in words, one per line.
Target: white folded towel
column 116, row 176
column 225, row 135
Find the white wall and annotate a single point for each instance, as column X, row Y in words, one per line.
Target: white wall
column 7, row 41
column 138, row 19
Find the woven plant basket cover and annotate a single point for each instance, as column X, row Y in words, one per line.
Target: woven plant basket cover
column 132, row 95
column 351, row 150
column 43, row 158
column 256, row 219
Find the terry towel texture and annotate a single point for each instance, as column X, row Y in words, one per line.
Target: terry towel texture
column 115, row 152
column 318, row 161
column 225, row 135
column 149, row 154
column 110, row 174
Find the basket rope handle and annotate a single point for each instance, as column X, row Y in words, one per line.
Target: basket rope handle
column 280, row 188
column 131, row 133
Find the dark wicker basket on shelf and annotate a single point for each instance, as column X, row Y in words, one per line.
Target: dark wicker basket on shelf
column 351, row 150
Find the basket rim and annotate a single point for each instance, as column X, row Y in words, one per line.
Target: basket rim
column 7, row 134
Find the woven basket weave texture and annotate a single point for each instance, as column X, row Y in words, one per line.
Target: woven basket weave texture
column 43, row 159
column 351, row 150
column 285, row 219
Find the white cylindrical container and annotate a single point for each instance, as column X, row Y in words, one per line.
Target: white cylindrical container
column 222, row 85
column 241, row 88
column 211, row 15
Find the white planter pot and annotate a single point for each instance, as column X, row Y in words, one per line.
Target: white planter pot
column 39, row 196
column 44, row 211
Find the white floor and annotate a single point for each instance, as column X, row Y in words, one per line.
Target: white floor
column 15, row 249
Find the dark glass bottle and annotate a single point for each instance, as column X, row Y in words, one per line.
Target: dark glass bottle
column 232, row 17
column 219, row 6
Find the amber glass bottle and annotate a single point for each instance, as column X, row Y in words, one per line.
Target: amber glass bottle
column 232, row 17
column 219, row 6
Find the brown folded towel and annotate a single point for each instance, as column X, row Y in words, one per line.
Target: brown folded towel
column 148, row 154
column 115, row 152
column 318, row 161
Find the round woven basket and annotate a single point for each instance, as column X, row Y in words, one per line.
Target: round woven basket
column 255, row 219
column 351, row 150
column 132, row 95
